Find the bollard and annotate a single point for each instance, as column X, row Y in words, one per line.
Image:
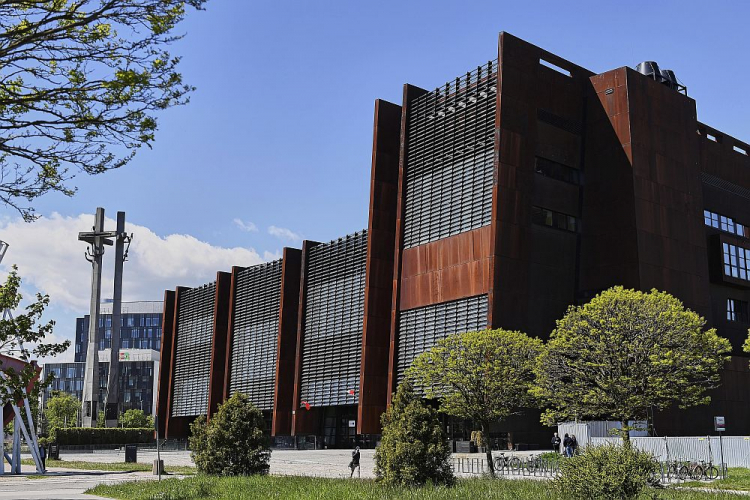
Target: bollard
column 158, row 468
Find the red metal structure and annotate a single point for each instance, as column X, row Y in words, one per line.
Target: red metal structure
column 17, row 365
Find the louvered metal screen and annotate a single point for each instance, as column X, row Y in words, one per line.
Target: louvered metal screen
column 195, row 323
column 420, row 329
column 255, row 333
column 559, row 121
column 449, row 168
column 334, row 312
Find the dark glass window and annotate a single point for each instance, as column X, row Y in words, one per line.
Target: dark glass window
column 737, row 310
column 549, row 168
column 546, row 217
column 736, row 261
column 726, row 224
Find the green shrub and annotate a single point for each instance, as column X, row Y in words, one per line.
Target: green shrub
column 135, row 419
column 86, row 436
column 233, row 442
column 606, row 472
column 413, row 449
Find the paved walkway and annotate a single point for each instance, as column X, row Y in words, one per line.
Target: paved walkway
column 61, row 484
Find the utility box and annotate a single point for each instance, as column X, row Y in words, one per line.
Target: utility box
column 54, row 451
column 131, row 453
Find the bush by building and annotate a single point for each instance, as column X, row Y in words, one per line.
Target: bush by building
column 606, row 472
column 414, row 449
column 234, row 442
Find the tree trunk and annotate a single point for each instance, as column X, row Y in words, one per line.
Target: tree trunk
column 488, row 448
column 625, row 433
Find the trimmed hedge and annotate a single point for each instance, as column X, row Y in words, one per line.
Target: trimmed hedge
column 114, row 435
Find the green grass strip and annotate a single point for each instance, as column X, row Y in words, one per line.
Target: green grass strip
column 300, row 488
column 738, row 479
column 113, row 467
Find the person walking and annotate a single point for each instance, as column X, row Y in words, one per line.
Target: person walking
column 556, row 442
column 566, row 445
column 354, row 464
column 573, row 445
column 43, row 456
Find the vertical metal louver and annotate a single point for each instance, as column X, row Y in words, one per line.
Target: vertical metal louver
column 420, row 329
column 333, row 316
column 449, row 167
column 195, row 324
column 255, row 333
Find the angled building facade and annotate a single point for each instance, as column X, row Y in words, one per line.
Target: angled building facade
column 497, row 199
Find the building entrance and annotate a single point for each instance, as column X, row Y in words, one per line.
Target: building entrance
column 339, row 426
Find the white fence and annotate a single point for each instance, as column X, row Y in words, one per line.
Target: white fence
column 709, row 448
column 694, row 449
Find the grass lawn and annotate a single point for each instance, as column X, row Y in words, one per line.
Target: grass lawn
column 737, row 479
column 300, row 488
column 118, row 466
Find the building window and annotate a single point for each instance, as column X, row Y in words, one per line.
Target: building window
column 736, row 261
column 545, row 217
column 737, row 310
column 549, row 168
column 726, row 224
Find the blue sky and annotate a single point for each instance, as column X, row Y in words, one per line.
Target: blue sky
column 279, row 130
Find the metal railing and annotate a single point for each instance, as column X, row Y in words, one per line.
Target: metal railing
column 674, row 472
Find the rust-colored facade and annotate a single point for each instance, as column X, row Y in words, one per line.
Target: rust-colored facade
column 498, row 200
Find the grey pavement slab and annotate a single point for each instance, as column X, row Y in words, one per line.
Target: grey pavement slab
column 60, row 484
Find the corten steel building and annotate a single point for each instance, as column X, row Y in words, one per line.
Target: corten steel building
column 497, row 200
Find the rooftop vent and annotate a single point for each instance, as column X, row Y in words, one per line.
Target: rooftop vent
column 664, row 76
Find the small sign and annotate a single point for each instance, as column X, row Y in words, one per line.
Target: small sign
column 719, row 424
column 352, row 423
column 124, row 356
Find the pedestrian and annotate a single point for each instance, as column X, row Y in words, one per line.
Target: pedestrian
column 566, row 445
column 354, row 464
column 573, row 445
column 43, row 456
column 556, row 442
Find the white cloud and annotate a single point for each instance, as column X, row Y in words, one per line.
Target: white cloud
column 51, row 259
column 284, row 233
column 248, row 226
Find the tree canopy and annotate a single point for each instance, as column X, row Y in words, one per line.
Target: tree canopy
column 136, row 419
column 22, row 337
column 414, row 449
column 81, row 82
column 482, row 376
column 625, row 352
column 61, row 411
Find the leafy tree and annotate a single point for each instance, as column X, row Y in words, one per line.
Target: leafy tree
column 233, row 442
column 413, row 449
column 624, row 352
column 22, row 337
column 746, row 345
column 482, row 376
column 133, row 419
column 61, row 411
column 81, row 84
